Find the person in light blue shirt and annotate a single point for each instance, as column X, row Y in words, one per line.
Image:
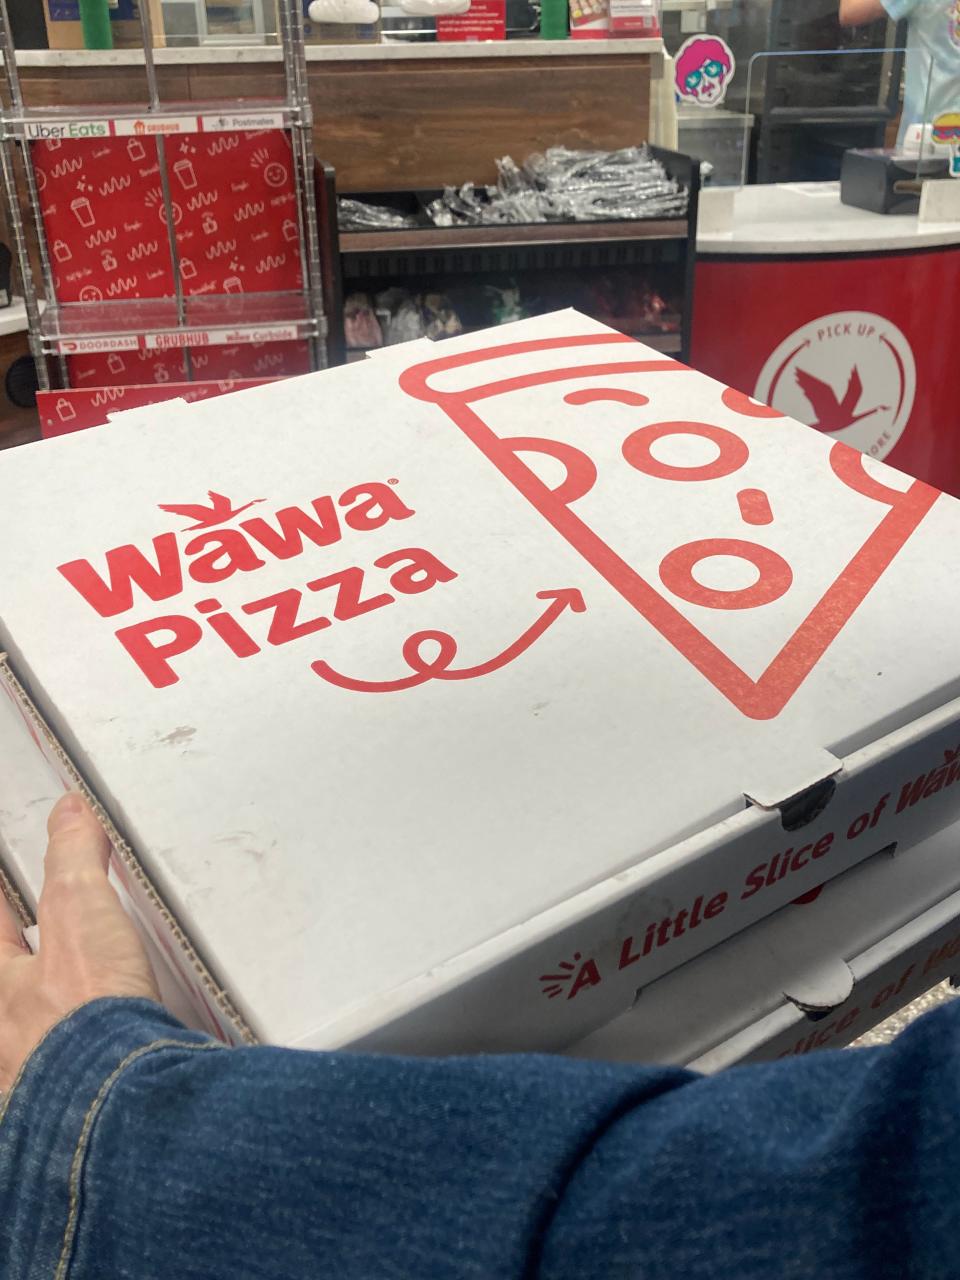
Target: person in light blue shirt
column 932, row 82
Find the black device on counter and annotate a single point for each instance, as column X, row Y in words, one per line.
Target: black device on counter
column 886, row 181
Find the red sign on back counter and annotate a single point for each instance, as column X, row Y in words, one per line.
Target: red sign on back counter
column 485, row 20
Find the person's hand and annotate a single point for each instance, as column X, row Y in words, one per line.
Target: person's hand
column 89, row 946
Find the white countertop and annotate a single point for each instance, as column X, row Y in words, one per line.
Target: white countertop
column 389, row 51
column 13, row 319
column 807, row 218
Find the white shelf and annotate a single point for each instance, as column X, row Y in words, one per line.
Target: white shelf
column 798, row 218
column 13, row 319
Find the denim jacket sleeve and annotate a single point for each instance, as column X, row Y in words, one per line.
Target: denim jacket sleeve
column 132, row 1149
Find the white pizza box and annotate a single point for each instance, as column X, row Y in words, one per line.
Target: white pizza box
column 814, row 975
column 457, row 712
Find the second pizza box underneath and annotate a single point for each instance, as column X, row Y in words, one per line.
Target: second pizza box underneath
column 814, row 975
column 442, row 701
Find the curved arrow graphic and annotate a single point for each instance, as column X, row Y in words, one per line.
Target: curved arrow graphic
column 438, row 667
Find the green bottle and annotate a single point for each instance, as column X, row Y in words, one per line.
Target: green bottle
column 95, row 23
column 554, row 19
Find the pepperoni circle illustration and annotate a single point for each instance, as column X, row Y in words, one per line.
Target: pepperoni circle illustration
column 750, row 408
column 733, row 452
column 676, row 574
column 590, row 395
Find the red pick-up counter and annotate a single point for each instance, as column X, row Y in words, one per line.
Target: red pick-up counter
column 847, row 320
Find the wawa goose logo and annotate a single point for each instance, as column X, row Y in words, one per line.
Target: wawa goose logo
column 220, row 510
column 850, row 374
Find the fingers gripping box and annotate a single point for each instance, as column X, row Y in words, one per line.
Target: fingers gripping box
column 447, row 699
column 34, row 773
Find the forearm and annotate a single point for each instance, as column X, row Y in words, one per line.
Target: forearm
column 857, row 13
column 204, row 1163
column 47, row 1122
column 183, row 1159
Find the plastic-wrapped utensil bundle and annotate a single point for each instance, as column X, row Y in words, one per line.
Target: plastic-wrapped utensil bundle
column 357, row 215
column 561, row 185
column 558, row 185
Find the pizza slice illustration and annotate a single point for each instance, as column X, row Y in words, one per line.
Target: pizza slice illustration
column 558, row 476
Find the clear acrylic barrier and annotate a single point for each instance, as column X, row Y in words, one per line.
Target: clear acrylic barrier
column 724, row 121
column 72, row 328
column 812, row 105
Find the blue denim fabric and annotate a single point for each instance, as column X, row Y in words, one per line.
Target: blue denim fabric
column 132, row 1149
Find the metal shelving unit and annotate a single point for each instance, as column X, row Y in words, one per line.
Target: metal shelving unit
column 59, row 329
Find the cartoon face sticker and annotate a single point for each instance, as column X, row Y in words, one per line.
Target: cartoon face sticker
column 736, row 541
column 946, row 129
column 703, row 70
column 955, row 23
column 946, row 133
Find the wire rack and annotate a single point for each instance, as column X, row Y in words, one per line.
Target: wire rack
column 59, row 329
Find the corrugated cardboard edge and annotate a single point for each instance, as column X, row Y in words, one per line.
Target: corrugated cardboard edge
column 124, row 851
column 16, row 900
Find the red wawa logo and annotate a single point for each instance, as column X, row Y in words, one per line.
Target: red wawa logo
column 224, row 546
column 219, row 553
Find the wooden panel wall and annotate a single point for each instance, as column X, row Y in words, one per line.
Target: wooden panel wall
column 395, row 125
column 68, row 86
column 416, row 123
